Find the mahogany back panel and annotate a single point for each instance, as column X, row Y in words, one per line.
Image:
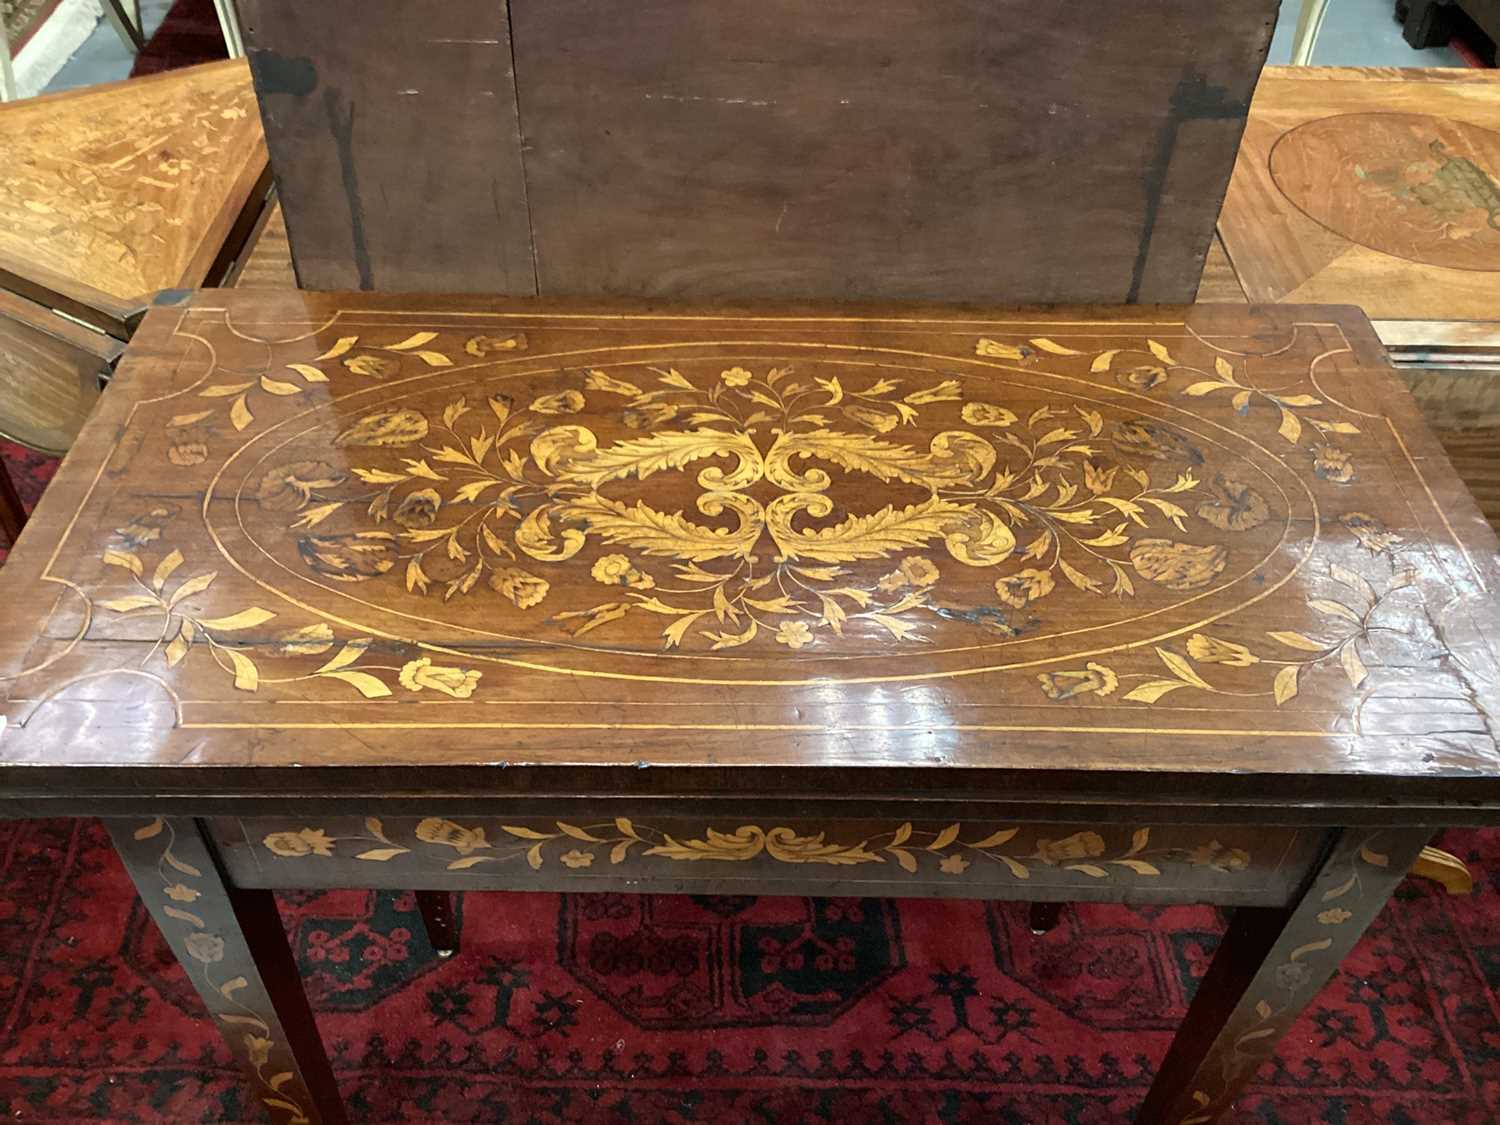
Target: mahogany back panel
column 980, row 150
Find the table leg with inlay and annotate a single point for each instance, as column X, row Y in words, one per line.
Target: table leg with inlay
column 230, row 942
column 1270, row 965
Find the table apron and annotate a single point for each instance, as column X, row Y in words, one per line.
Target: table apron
column 586, row 850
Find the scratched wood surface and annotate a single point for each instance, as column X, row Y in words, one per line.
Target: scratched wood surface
column 325, row 530
column 124, row 189
column 925, row 151
column 1376, row 187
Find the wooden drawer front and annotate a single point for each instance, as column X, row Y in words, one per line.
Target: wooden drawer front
column 1230, row 864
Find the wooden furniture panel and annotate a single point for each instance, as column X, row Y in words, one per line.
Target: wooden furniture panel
column 908, row 151
column 900, row 151
column 51, row 369
column 395, row 141
column 1378, row 187
column 592, row 848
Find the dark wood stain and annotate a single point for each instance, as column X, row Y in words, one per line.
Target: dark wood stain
column 429, row 192
column 949, row 151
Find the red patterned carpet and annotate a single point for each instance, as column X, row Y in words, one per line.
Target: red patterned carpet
column 613, row 1008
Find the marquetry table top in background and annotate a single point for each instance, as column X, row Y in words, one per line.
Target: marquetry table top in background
column 124, row 189
column 315, row 530
column 1373, row 186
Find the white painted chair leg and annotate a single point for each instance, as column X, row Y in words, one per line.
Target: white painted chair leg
column 229, row 24
column 7, row 72
column 1309, row 23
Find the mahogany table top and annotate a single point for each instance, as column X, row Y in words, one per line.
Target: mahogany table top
column 323, row 542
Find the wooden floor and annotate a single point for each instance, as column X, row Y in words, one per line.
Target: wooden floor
column 1463, row 407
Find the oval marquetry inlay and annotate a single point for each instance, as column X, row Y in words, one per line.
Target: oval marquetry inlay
column 1406, row 184
column 731, row 503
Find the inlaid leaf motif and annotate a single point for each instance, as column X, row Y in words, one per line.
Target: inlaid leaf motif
column 876, row 536
column 393, row 427
column 1285, row 685
column 350, row 557
column 1178, row 566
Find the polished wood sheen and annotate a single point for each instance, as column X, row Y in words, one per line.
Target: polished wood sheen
column 1217, row 543
column 130, row 187
column 1378, row 187
column 948, row 150
column 1126, row 605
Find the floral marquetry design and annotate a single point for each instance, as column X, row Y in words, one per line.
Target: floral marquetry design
column 1020, row 852
column 497, row 493
column 925, row 538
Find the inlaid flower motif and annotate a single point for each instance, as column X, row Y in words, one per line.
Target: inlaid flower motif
column 1292, row 976
column 306, row 841
column 1216, row 855
column 563, row 402
column 1092, row 679
column 946, row 391
column 953, row 865
column 436, row 830
column 647, row 415
column 180, row 892
column 523, row 589
column 205, row 947
column 258, row 1050
column 1178, row 566
column 481, row 346
column 597, row 380
column 794, row 634
column 423, row 673
column 919, row 571
column 1024, row 587
column 288, row 487
column 1335, row 916
column 1330, row 462
column 987, row 414
column 577, row 858
column 1211, row 650
column 736, row 377
column 1235, row 506
column 877, row 420
column 418, row 509
column 616, row 570
column 189, row 446
column 1139, row 439
column 1372, row 533
column 373, row 366
column 146, row 527
column 1080, row 845
column 1142, row 378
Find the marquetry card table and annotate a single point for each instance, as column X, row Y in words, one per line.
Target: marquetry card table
column 1149, row 605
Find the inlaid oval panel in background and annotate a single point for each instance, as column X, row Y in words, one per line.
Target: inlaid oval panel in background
column 723, row 505
column 1406, row 184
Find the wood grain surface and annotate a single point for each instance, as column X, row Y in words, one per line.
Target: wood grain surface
column 120, row 190
column 1377, row 187
column 52, row 369
column 928, row 151
column 395, row 140
column 320, row 530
